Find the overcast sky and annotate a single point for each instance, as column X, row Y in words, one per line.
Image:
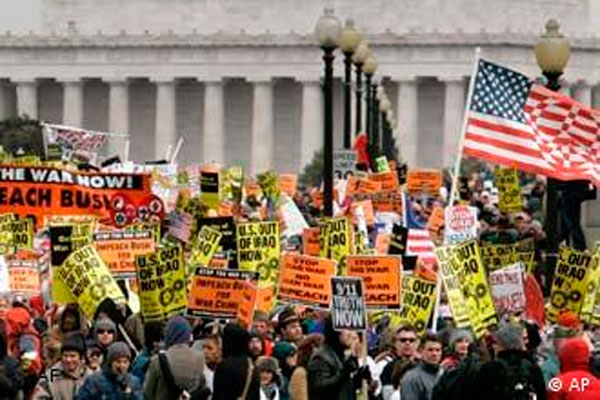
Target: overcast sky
column 19, row 15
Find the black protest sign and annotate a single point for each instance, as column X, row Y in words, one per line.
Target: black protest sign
column 398, row 240
column 348, row 309
column 225, row 226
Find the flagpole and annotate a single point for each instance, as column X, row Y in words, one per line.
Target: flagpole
column 463, row 133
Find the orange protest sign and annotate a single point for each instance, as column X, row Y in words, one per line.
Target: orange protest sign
column 23, row 277
column 382, row 276
column 40, row 191
column 288, row 183
column 119, row 249
column 362, row 186
column 388, row 180
column 264, row 298
column 217, row 292
column 305, row 279
column 424, row 181
column 247, row 305
column 367, row 210
column 436, row 220
column 311, row 241
column 219, row 262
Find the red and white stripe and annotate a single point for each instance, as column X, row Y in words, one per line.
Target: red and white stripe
column 419, row 244
column 560, row 138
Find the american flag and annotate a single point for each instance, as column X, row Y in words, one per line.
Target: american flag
column 515, row 122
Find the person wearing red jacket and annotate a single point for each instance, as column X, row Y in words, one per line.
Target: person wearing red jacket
column 576, row 381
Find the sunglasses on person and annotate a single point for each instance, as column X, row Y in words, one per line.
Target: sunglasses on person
column 103, row 331
column 406, row 340
column 94, row 354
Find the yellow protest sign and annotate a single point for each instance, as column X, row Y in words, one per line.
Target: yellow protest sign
column 497, row 256
column 22, row 233
column 418, row 298
column 475, row 287
column 162, row 283
column 452, row 275
column 526, row 252
column 509, row 192
column 570, row 283
column 205, row 246
column 337, row 241
column 258, row 249
column 6, row 234
column 89, row 280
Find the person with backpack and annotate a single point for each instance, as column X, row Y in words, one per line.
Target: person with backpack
column 11, row 379
column 576, row 380
column 511, row 375
column 178, row 372
column 153, row 333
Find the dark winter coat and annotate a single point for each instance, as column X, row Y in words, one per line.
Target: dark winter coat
column 418, row 383
column 329, row 377
column 495, row 377
column 105, row 385
column 11, row 379
column 232, row 372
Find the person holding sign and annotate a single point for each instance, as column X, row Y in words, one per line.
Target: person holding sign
column 329, row 370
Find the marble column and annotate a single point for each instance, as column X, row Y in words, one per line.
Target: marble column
column 27, row 98
column 5, row 100
column 262, row 126
column 454, row 109
column 407, row 118
column 214, row 122
column 165, row 135
column 311, row 129
column 118, row 116
column 73, row 103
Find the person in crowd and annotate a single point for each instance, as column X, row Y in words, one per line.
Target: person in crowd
column 418, row 383
column 261, row 325
column 70, row 319
column 11, row 379
column 113, row 382
column 289, row 326
column 95, row 356
column 406, row 344
column 62, row 380
column 568, row 326
column 576, row 379
column 287, row 356
column 460, row 340
column 512, row 374
column 266, row 368
column 256, row 346
column 105, row 332
column 298, row 382
column 135, row 328
column 178, row 369
column 153, row 333
column 400, row 369
column 234, row 376
column 211, row 347
column 25, row 345
column 329, row 369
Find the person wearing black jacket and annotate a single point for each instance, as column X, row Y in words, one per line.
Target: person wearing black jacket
column 232, row 374
column 512, row 374
column 11, row 379
column 330, row 371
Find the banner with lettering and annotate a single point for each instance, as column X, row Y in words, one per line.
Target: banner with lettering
column 306, row 280
column 258, row 249
column 382, row 276
column 509, row 191
column 460, row 224
column 348, row 310
column 508, row 290
column 119, row 249
column 418, row 299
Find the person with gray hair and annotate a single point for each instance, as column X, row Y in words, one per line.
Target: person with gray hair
column 511, row 375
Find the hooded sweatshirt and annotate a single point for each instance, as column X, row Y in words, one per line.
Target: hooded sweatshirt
column 23, row 340
column 231, row 374
column 577, row 382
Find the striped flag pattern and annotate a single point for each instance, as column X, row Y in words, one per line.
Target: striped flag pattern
column 515, row 122
column 419, row 244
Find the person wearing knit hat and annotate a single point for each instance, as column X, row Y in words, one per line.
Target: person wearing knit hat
column 268, row 372
column 113, row 381
column 286, row 354
column 181, row 362
column 574, row 356
column 256, row 346
column 66, row 376
column 105, row 332
column 511, row 374
column 458, row 344
column 288, row 325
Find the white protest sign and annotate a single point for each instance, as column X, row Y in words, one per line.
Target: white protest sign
column 461, row 224
column 507, row 289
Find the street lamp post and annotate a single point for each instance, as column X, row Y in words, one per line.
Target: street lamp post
column 376, row 91
column 384, row 108
column 350, row 39
column 360, row 55
column 369, row 69
column 552, row 54
column 328, row 32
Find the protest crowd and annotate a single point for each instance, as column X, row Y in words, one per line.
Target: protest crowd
column 130, row 280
